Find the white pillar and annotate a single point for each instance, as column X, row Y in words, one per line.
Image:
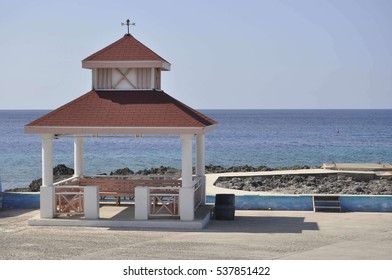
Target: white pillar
column 91, row 202
column 187, row 204
column 186, row 160
column 78, row 156
column 200, row 162
column 46, row 200
column 47, row 189
column 142, row 203
column 200, row 165
column 47, row 159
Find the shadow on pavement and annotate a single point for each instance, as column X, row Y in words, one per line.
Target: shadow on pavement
column 262, row 225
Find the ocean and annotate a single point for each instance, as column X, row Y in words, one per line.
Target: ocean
column 275, row 138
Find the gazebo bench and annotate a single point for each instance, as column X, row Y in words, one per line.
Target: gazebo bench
column 120, row 187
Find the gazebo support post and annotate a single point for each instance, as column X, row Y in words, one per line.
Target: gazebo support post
column 200, row 165
column 91, row 200
column 142, row 203
column 47, row 203
column 186, row 203
column 78, row 156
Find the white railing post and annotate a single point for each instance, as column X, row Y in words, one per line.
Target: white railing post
column 187, row 204
column 91, row 202
column 142, row 203
column 47, row 202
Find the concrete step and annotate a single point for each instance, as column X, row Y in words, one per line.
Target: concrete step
column 326, row 203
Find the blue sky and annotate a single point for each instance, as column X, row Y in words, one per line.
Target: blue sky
column 275, row 54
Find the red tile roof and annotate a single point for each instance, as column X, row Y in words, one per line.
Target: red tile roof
column 125, row 49
column 124, row 109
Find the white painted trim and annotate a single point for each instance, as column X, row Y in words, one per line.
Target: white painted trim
column 113, row 130
column 127, row 64
column 208, row 129
column 123, row 89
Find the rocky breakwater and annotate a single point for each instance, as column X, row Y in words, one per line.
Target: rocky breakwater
column 310, row 184
column 60, row 172
column 247, row 168
column 157, row 171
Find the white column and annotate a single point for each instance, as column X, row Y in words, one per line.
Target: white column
column 91, row 202
column 186, row 160
column 200, row 165
column 78, row 156
column 187, row 204
column 47, row 203
column 200, row 162
column 142, row 203
column 47, row 159
column 47, row 189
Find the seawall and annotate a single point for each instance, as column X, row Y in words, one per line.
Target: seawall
column 348, row 203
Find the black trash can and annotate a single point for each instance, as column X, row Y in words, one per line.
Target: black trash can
column 224, row 206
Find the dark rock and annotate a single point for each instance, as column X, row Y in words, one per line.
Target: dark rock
column 61, row 170
column 304, row 184
column 264, row 168
column 123, row 172
column 163, row 170
column 35, row 185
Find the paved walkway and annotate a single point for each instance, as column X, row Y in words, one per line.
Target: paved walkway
column 252, row 235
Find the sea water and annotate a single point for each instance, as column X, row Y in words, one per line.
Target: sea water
column 276, row 138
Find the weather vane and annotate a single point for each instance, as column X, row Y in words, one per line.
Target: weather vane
column 128, row 23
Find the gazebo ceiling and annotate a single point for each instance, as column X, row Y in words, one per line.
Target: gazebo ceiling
column 116, row 112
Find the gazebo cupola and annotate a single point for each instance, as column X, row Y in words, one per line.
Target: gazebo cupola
column 126, row 64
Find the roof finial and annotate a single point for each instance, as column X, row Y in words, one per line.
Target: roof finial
column 128, row 23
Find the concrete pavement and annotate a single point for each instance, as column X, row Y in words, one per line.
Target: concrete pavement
column 252, row 235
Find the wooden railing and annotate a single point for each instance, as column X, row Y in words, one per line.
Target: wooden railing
column 123, row 186
column 164, row 201
column 69, row 200
column 163, row 195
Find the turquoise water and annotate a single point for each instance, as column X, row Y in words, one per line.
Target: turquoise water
column 254, row 137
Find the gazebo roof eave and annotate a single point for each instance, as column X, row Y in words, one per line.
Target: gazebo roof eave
column 116, row 130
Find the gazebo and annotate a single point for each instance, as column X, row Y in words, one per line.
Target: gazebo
column 126, row 100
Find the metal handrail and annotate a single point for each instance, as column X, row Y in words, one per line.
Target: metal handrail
column 65, row 180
